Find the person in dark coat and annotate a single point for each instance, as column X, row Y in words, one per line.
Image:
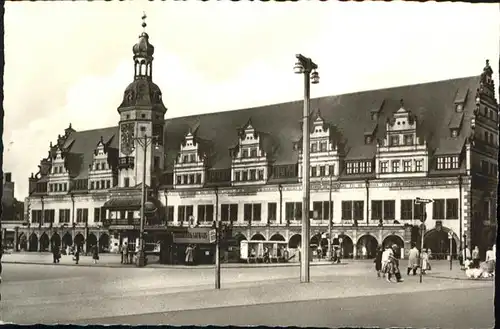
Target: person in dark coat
column 378, row 260
column 56, row 253
column 77, row 254
column 95, row 253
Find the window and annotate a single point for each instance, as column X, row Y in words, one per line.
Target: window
column 170, row 213
column 178, row 179
column 451, row 208
column 245, row 176
column 384, row 166
column 355, row 167
column 395, row 166
column 454, row 162
column 418, row 210
column 454, row 132
column 406, row 209
column 438, row 209
column 103, row 214
column 237, row 176
column 459, row 107
column 244, row 153
column 368, row 166
column 97, row 215
column 108, row 184
column 485, row 167
column 314, row 147
column 252, row 212
column 82, row 215
column 321, row 209
column 261, row 174
column 331, row 170
column 156, row 163
column 349, row 168
column 97, row 166
column 191, row 179
column 185, row 159
column 419, row 165
column 408, row 140
column 229, row 212
column 126, row 182
column 346, row 210
column 64, row 216
column 36, row 216
column 389, row 209
column 322, row 171
column 486, row 137
column 377, row 209
column 271, row 211
column 192, row 158
column 123, row 214
column 252, row 174
column 394, row 140
column 92, row 185
column 183, row 213
column 293, row 211
column 447, row 163
column 253, row 153
column 358, row 213
column 322, row 146
column 440, row 163
column 313, row 171
column 407, row 165
column 49, row 215
column 198, row 178
column 205, row 213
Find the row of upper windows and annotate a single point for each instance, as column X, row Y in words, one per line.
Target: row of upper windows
column 100, row 165
column 448, row 162
column 250, row 152
column 319, row 147
column 395, row 140
column 320, row 171
column 350, row 210
column 490, row 138
column 359, row 167
column 248, row 175
column 189, row 158
column 82, row 215
column 489, row 168
column 188, row 179
column 58, row 187
column 407, row 166
column 100, row 185
column 58, row 169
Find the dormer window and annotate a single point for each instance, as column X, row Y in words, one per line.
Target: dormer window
column 374, row 116
column 97, row 166
column 322, row 146
column 394, row 140
column 253, row 153
column 459, row 107
column 368, row 139
column 185, row 159
column 454, row 132
column 447, row 162
column 409, row 140
column 244, row 154
column 314, row 147
column 192, row 158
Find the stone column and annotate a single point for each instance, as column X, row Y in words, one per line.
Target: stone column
column 39, row 244
column 85, row 235
column 4, row 234
column 16, row 236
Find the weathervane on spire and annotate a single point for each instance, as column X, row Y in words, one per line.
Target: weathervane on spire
column 144, row 20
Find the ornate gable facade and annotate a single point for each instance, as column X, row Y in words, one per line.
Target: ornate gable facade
column 190, row 169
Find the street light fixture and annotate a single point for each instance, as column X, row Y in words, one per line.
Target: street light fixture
column 307, row 67
column 144, row 141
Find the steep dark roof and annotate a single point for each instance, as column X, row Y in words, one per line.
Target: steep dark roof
column 349, row 114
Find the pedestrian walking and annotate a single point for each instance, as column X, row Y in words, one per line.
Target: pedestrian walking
column 125, row 253
column 426, row 265
column 413, row 260
column 475, row 257
column 189, row 255
column 378, row 261
column 395, row 260
column 95, row 253
column 76, row 256
column 120, row 251
column 387, row 266
column 56, row 256
column 319, row 252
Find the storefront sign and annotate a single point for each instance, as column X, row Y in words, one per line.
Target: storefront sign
column 192, row 235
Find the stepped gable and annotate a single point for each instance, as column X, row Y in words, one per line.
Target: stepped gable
column 431, row 103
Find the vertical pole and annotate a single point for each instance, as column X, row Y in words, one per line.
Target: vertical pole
column 330, row 216
column 451, row 253
column 217, row 241
column 141, row 260
column 422, row 230
column 304, row 269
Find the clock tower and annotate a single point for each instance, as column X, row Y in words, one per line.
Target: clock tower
column 141, row 113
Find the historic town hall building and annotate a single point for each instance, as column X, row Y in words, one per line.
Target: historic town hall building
column 372, row 152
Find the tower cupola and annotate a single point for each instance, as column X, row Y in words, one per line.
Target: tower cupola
column 143, row 54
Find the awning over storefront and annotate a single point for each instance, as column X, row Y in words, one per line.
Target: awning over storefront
column 130, row 203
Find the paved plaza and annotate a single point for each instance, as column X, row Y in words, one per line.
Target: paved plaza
column 86, row 294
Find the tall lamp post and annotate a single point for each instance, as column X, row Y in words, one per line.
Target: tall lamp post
column 217, row 240
column 144, row 141
column 330, row 216
column 308, row 68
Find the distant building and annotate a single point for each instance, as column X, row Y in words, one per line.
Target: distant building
column 373, row 152
column 12, row 212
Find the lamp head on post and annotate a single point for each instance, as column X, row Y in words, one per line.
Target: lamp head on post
column 314, row 77
column 298, row 68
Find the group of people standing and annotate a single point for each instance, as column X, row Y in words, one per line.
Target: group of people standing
column 75, row 251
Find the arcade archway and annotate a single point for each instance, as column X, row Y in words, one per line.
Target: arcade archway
column 239, row 237
column 347, row 246
column 294, row 241
column 44, row 242
column 258, row 237
column 277, row 237
column 104, row 243
column 91, row 241
column 79, row 240
column 23, row 242
column 393, row 239
column 67, row 240
column 439, row 243
column 367, row 246
column 33, row 242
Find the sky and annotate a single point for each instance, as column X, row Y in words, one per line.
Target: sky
column 71, row 61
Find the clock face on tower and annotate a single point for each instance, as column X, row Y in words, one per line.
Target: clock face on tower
column 127, row 138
